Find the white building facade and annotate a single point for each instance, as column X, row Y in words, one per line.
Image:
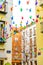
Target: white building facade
column 29, row 46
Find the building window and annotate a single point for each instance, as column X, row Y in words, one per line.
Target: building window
column 1, row 62
column 31, row 63
column 30, row 32
column 34, row 41
column 2, row 26
column 34, row 29
column 35, row 52
column 35, row 62
column 3, row 5
column 8, row 51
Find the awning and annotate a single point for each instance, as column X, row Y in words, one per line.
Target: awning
column 3, row 55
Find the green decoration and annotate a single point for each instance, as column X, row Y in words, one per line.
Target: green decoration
column 30, row 17
column 33, row 22
column 21, row 9
column 40, row 18
column 24, row 27
column 28, row 25
column 15, row 24
column 4, row 39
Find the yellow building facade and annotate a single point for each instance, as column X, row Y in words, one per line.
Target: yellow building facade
column 39, row 33
column 5, row 45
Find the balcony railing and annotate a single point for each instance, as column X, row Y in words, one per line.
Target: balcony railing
column 2, row 37
column 3, row 8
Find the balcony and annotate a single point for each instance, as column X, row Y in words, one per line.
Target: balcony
column 3, row 12
column 3, row 8
column 2, row 34
column 2, row 40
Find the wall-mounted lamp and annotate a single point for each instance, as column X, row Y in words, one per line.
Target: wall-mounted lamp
column 41, row 24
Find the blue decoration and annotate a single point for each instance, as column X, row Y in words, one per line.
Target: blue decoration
column 19, row 2
column 0, row 6
column 14, row 32
column 10, row 25
column 20, row 24
column 5, row 28
column 12, row 18
column 13, row 22
column 27, row 23
column 36, row 2
column 29, row 10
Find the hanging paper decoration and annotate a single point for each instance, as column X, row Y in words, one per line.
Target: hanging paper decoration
column 36, row 2
column 22, row 17
column 37, row 16
column 24, row 27
column 27, row 2
column 33, row 19
column 11, row 8
column 21, row 9
column 40, row 18
column 12, row 18
column 4, row 39
column 29, row 10
column 13, row 22
column 21, row 28
column 19, row 2
column 30, row 17
column 20, row 23
column 36, row 20
column 6, row 36
column 27, row 23
column 33, row 22
column 21, row 13
column 16, row 25
column 0, row 6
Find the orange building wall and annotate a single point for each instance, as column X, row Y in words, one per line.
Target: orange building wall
column 16, row 44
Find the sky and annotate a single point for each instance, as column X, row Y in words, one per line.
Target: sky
column 23, row 12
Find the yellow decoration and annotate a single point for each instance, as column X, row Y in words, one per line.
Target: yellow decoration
column 1, row 16
column 38, row 10
column 21, row 28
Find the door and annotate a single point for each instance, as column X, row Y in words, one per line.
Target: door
column 17, row 63
column 1, row 62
